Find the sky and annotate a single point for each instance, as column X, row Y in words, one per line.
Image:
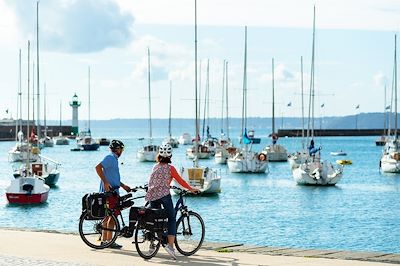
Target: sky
column 354, row 56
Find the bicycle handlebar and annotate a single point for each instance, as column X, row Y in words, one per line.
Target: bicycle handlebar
column 181, row 190
column 144, row 187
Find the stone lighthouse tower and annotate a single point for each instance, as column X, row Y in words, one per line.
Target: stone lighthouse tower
column 75, row 104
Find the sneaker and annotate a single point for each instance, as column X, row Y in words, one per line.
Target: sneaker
column 170, row 251
column 115, row 246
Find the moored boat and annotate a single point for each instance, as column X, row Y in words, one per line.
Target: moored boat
column 27, row 190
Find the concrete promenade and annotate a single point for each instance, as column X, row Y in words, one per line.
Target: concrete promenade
column 19, row 247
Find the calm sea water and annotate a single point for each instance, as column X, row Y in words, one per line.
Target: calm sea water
column 362, row 212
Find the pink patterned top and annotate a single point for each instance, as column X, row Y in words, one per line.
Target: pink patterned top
column 160, row 181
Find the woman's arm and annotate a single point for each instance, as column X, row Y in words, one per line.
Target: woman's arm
column 179, row 179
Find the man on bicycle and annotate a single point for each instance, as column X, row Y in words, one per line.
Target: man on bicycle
column 108, row 171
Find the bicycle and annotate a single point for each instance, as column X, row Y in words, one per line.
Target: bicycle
column 190, row 231
column 91, row 227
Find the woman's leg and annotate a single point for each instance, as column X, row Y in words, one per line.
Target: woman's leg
column 169, row 207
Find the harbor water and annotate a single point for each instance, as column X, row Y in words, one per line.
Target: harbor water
column 362, row 212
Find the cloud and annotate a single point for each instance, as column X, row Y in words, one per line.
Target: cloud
column 74, row 26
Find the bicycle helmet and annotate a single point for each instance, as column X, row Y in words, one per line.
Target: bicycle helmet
column 116, row 144
column 165, row 150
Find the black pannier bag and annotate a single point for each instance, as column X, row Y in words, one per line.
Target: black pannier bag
column 95, row 205
column 150, row 219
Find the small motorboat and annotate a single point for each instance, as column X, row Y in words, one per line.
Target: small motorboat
column 344, row 162
column 338, row 153
column 104, row 141
column 27, row 190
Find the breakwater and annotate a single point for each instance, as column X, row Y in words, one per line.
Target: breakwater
column 332, row 132
column 7, row 132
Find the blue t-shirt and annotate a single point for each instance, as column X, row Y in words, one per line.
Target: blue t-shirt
column 111, row 172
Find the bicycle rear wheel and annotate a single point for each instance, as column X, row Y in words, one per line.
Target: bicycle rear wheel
column 91, row 230
column 147, row 243
column 190, row 232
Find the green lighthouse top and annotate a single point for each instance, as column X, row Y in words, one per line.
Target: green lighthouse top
column 75, row 102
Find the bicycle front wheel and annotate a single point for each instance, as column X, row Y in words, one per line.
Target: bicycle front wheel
column 94, row 231
column 190, row 232
column 147, row 243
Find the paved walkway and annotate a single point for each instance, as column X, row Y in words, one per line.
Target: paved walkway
column 52, row 248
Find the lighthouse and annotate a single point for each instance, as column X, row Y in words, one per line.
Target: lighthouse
column 75, row 105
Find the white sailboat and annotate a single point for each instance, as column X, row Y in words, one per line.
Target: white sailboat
column 245, row 160
column 85, row 141
column 297, row 158
column 275, row 152
column 205, row 179
column 60, row 139
column 315, row 171
column 19, row 152
column 27, row 188
column 148, row 153
column 225, row 148
column 390, row 160
column 170, row 140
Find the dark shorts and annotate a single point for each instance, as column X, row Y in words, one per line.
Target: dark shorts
column 112, row 204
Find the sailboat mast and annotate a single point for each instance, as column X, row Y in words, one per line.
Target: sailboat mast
column 195, row 84
column 310, row 127
column 170, row 104
column 37, row 71
column 89, row 98
column 19, row 103
column 244, row 82
column 148, row 81
column 27, row 126
column 60, row 118
column 273, row 97
column 44, row 111
column 222, row 98
column 302, row 104
column 226, row 95
column 395, row 86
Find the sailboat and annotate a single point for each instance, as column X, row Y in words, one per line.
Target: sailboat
column 297, row 158
column 46, row 140
column 28, row 188
column 275, row 152
column 60, row 139
column 172, row 141
column 19, row 152
column 315, row 171
column 148, row 153
column 225, row 149
column 390, row 160
column 381, row 141
column 85, row 141
column 202, row 150
column 245, row 160
column 205, row 179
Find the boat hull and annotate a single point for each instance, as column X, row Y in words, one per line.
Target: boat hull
column 317, row 174
column 27, row 190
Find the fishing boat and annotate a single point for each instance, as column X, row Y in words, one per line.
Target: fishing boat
column 315, row 171
column 170, row 140
column 61, row 140
column 206, row 179
column 148, row 153
column 245, row 160
column 390, row 160
column 275, row 152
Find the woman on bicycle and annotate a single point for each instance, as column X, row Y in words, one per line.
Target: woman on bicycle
column 158, row 192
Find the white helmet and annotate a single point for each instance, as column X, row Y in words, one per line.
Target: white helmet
column 165, row 150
